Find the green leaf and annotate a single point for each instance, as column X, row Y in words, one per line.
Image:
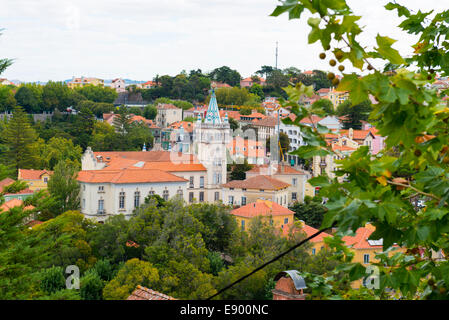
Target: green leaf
column 356, row 87
column 387, row 51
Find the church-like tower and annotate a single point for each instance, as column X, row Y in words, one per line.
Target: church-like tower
column 210, row 139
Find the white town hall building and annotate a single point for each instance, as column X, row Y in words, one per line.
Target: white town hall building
column 118, row 182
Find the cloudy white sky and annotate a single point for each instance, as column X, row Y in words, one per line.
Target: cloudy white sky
column 137, row 39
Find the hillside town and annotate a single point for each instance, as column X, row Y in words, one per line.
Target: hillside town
column 279, row 184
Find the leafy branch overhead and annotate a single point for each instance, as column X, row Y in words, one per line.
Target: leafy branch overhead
column 383, row 189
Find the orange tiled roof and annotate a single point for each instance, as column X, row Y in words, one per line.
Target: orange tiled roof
column 31, row 174
column 24, row 191
column 14, row 203
column 314, row 118
column 357, row 134
column 142, row 293
column 166, row 106
column 186, row 125
column 231, row 114
column 342, row 148
column 253, row 115
column 279, row 169
column 360, row 240
column 147, row 156
column 261, row 208
column 265, row 122
column 258, row 182
column 5, row 182
column 309, row 231
column 127, row 176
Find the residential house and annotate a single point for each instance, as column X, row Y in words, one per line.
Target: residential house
column 248, row 82
column 297, row 179
column 167, row 114
column 118, row 84
column 147, row 85
column 10, row 204
column 81, row 82
column 155, row 130
column 241, row 192
column 6, row 82
column 277, row 215
column 36, row 179
column 364, row 249
column 195, row 112
column 265, row 127
column 253, row 151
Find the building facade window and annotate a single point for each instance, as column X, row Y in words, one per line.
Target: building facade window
column 313, row 251
column 136, row 199
column 202, row 196
column 100, row 206
column 190, row 197
column 366, row 258
column 294, row 196
column 217, row 196
column 180, row 193
column 121, row 200
column 83, row 204
column 201, row 182
column 243, row 201
column 285, row 220
column 100, row 188
column 294, row 181
column 191, row 184
column 243, row 225
column 231, row 199
column 165, row 195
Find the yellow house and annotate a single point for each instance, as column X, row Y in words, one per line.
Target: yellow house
column 365, row 250
column 318, row 241
column 278, row 215
column 337, row 97
column 80, row 82
column 36, row 179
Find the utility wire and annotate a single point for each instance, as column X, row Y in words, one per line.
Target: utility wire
column 269, row 262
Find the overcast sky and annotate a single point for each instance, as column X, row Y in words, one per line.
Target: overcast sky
column 137, row 39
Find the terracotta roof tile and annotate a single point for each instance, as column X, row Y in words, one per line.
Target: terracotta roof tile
column 279, row 169
column 265, row 122
column 142, row 293
column 258, row 182
column 12, row 204
column 261, row 208
column 31, row 174
column 5, row 182
column 127, row 176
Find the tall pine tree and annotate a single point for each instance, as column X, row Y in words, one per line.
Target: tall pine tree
column 21, row 140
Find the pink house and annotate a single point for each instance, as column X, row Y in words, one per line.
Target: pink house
column 248, row 82
column 378, row 141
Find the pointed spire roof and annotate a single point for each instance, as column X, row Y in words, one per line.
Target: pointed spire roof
column 213, row 115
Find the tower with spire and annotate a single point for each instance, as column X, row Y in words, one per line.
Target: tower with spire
column 210, row 139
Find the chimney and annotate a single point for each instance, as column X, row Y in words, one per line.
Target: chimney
column 289, row 286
